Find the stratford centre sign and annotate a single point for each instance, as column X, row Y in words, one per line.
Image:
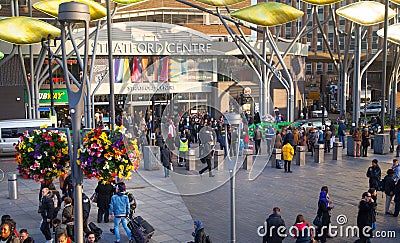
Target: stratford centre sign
column 154, row 48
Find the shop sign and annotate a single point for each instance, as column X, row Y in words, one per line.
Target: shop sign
column 59, row 96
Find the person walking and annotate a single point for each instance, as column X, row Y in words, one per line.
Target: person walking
column 276, row 227
column 6, row 233
column 47, row 212
column 104, row 194
column 208, row 150
column 396, row 193
column 396, row 169
column 357, row 142
column 366, row 210
column 374, row 174
column 324, row 212
column 389, row 189
column 257, row 140
column 342, row 133
column 166, row 160
column 327, row 138
column 119, row 209
column 199, row 234
column 302, row 231
column 365, row 142
column 86, row 206
column 287, row 152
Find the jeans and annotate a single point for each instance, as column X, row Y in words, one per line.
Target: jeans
column 391, row 145
column 45, row 228
column 342, row 140
column 117, row 221
column 397, row 150
column 387, row 205
column 166, row 171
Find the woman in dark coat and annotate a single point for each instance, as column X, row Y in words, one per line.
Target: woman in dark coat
column 198, row 234
column 364, row 142
column 366, row 210
column 104, row 194
column 166, row 159
column 324, row 210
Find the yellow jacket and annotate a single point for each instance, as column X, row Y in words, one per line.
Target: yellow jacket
column 287, row 152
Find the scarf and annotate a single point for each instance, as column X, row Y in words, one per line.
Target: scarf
column 199, row 226
column 322, row 197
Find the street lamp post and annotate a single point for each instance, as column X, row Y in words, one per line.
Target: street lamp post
column 384, row 65
column 71, row 13
column 232, row 119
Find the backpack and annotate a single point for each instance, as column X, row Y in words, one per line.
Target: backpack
column 132, row 201
column 381, row 185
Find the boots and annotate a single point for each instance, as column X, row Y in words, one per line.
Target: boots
column 210, row 174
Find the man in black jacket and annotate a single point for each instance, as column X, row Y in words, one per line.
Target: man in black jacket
column 47, row 211
column 389, row 189
column 276, row 228
column 374, row 174
column 396, row 199
column 366, row 209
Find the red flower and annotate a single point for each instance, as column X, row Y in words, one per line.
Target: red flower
column 51, row 144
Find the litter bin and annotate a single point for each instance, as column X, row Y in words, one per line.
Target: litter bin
column 12, row 186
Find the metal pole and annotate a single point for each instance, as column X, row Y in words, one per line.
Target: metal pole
column 356, row 79
column 72, row 12
column 384, row 64
column 51, row 81
column 110, row 68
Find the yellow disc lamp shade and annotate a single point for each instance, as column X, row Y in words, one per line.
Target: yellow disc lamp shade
column 50, row 7
column 268, row 14
column 321, row 2
column 365, row 12
column 393, row 33
column 220, row 2
column 25, row 30
column 127, row 1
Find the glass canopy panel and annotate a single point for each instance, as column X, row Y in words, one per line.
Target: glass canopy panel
column 25, row 30
column 127, row 1
column 268, row 14
column 220, row 2
column 393, row 33
column 321, row 2
column 365, row 12
column 50, row 7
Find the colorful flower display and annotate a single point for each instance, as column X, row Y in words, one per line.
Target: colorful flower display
column 105, row 155
column 42, row 155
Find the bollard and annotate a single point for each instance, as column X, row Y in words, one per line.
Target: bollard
column 319, row 153
column 381, row 144
column 350, row 145
column 276, row 158
column 337, row 151
column 151, row 157
column 301, row 155
column 248, row 159
column 191, row 165
column 12, row 186
column 219, row 159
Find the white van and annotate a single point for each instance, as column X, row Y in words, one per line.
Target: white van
column 11, row 130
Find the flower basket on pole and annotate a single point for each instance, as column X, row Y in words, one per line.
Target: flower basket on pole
column 42, row 155
column 107, row 155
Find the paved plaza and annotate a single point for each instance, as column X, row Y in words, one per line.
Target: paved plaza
column 160, row 202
